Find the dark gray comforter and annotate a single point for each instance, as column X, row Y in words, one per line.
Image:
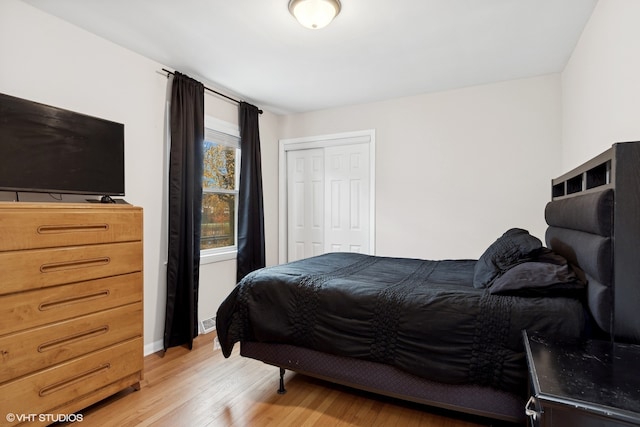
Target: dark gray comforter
column 424, row 317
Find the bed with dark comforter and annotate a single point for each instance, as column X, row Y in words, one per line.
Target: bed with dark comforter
column 424, row 317
column 447, row 333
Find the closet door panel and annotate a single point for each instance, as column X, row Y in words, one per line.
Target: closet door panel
column 347, row 198
column 305, row 203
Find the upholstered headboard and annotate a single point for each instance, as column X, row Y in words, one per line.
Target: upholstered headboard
column 581, row 230
column 594, row 222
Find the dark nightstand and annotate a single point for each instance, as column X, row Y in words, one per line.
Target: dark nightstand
column 582, row 383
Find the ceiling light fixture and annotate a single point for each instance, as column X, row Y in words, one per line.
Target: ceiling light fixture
column 314, row 14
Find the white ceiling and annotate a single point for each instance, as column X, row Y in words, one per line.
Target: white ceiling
column 373, row 50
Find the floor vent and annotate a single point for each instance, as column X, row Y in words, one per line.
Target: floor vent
column 208, row 325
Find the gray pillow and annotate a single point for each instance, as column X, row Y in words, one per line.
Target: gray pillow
column 537, row 278
column 514, row 247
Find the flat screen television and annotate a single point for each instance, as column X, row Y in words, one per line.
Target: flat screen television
column 51, row 150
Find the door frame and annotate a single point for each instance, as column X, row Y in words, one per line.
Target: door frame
column 321, row 141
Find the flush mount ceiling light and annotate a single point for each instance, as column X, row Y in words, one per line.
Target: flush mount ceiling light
column 314, row 14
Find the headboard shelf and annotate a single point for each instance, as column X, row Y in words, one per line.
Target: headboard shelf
column 596, row 174
column 618, row 169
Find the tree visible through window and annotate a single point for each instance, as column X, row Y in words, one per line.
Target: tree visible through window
column 220, row 191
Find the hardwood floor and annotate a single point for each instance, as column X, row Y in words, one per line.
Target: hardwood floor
column 201, row 388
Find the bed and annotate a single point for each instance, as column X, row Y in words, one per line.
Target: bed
column 447, row 333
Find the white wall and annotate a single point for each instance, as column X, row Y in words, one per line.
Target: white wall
column 601, row 83
column 455, row 169
column 48, row 60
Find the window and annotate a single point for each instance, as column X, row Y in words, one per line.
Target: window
column 221, row 176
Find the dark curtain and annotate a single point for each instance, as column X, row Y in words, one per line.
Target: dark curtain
column 185, row 211
column 250, row 208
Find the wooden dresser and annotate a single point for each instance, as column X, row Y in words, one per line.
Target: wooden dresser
column 70, row 307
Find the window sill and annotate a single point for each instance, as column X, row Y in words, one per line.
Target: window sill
column 218, row 257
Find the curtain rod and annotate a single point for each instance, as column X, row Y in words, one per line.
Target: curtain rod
column 210, row 90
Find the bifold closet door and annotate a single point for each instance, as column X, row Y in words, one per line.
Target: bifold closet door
column 347, row 198
column 305, row 203
column 328, row 200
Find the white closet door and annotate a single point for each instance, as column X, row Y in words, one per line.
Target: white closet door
column 347, row 209
column 305, row 203
column 327, row 195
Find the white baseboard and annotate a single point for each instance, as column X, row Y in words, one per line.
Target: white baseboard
column 154, row 347
column 157, row 346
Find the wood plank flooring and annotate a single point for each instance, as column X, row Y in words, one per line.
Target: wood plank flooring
column 201, row 388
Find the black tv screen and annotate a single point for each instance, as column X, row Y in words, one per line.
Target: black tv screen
column 52, row 150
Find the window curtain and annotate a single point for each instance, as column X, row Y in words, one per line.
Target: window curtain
column 185, row 210
column 250, row 207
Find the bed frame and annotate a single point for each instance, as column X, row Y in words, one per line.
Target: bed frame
column 613, row 305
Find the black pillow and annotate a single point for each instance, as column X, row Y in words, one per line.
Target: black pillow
column 514, row 247
column 538, row 278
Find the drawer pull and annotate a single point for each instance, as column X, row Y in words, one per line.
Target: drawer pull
column 50, row 389
column 51, row 345
column 71, row 228
column 73, row 300
column 69, row 265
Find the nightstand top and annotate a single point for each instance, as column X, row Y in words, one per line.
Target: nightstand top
column 598, row 376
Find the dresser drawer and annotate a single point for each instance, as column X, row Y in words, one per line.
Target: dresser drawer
column 39, row 348
column 38, row 307
column 33, row 226
column 43, row 391
column 39, row 268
